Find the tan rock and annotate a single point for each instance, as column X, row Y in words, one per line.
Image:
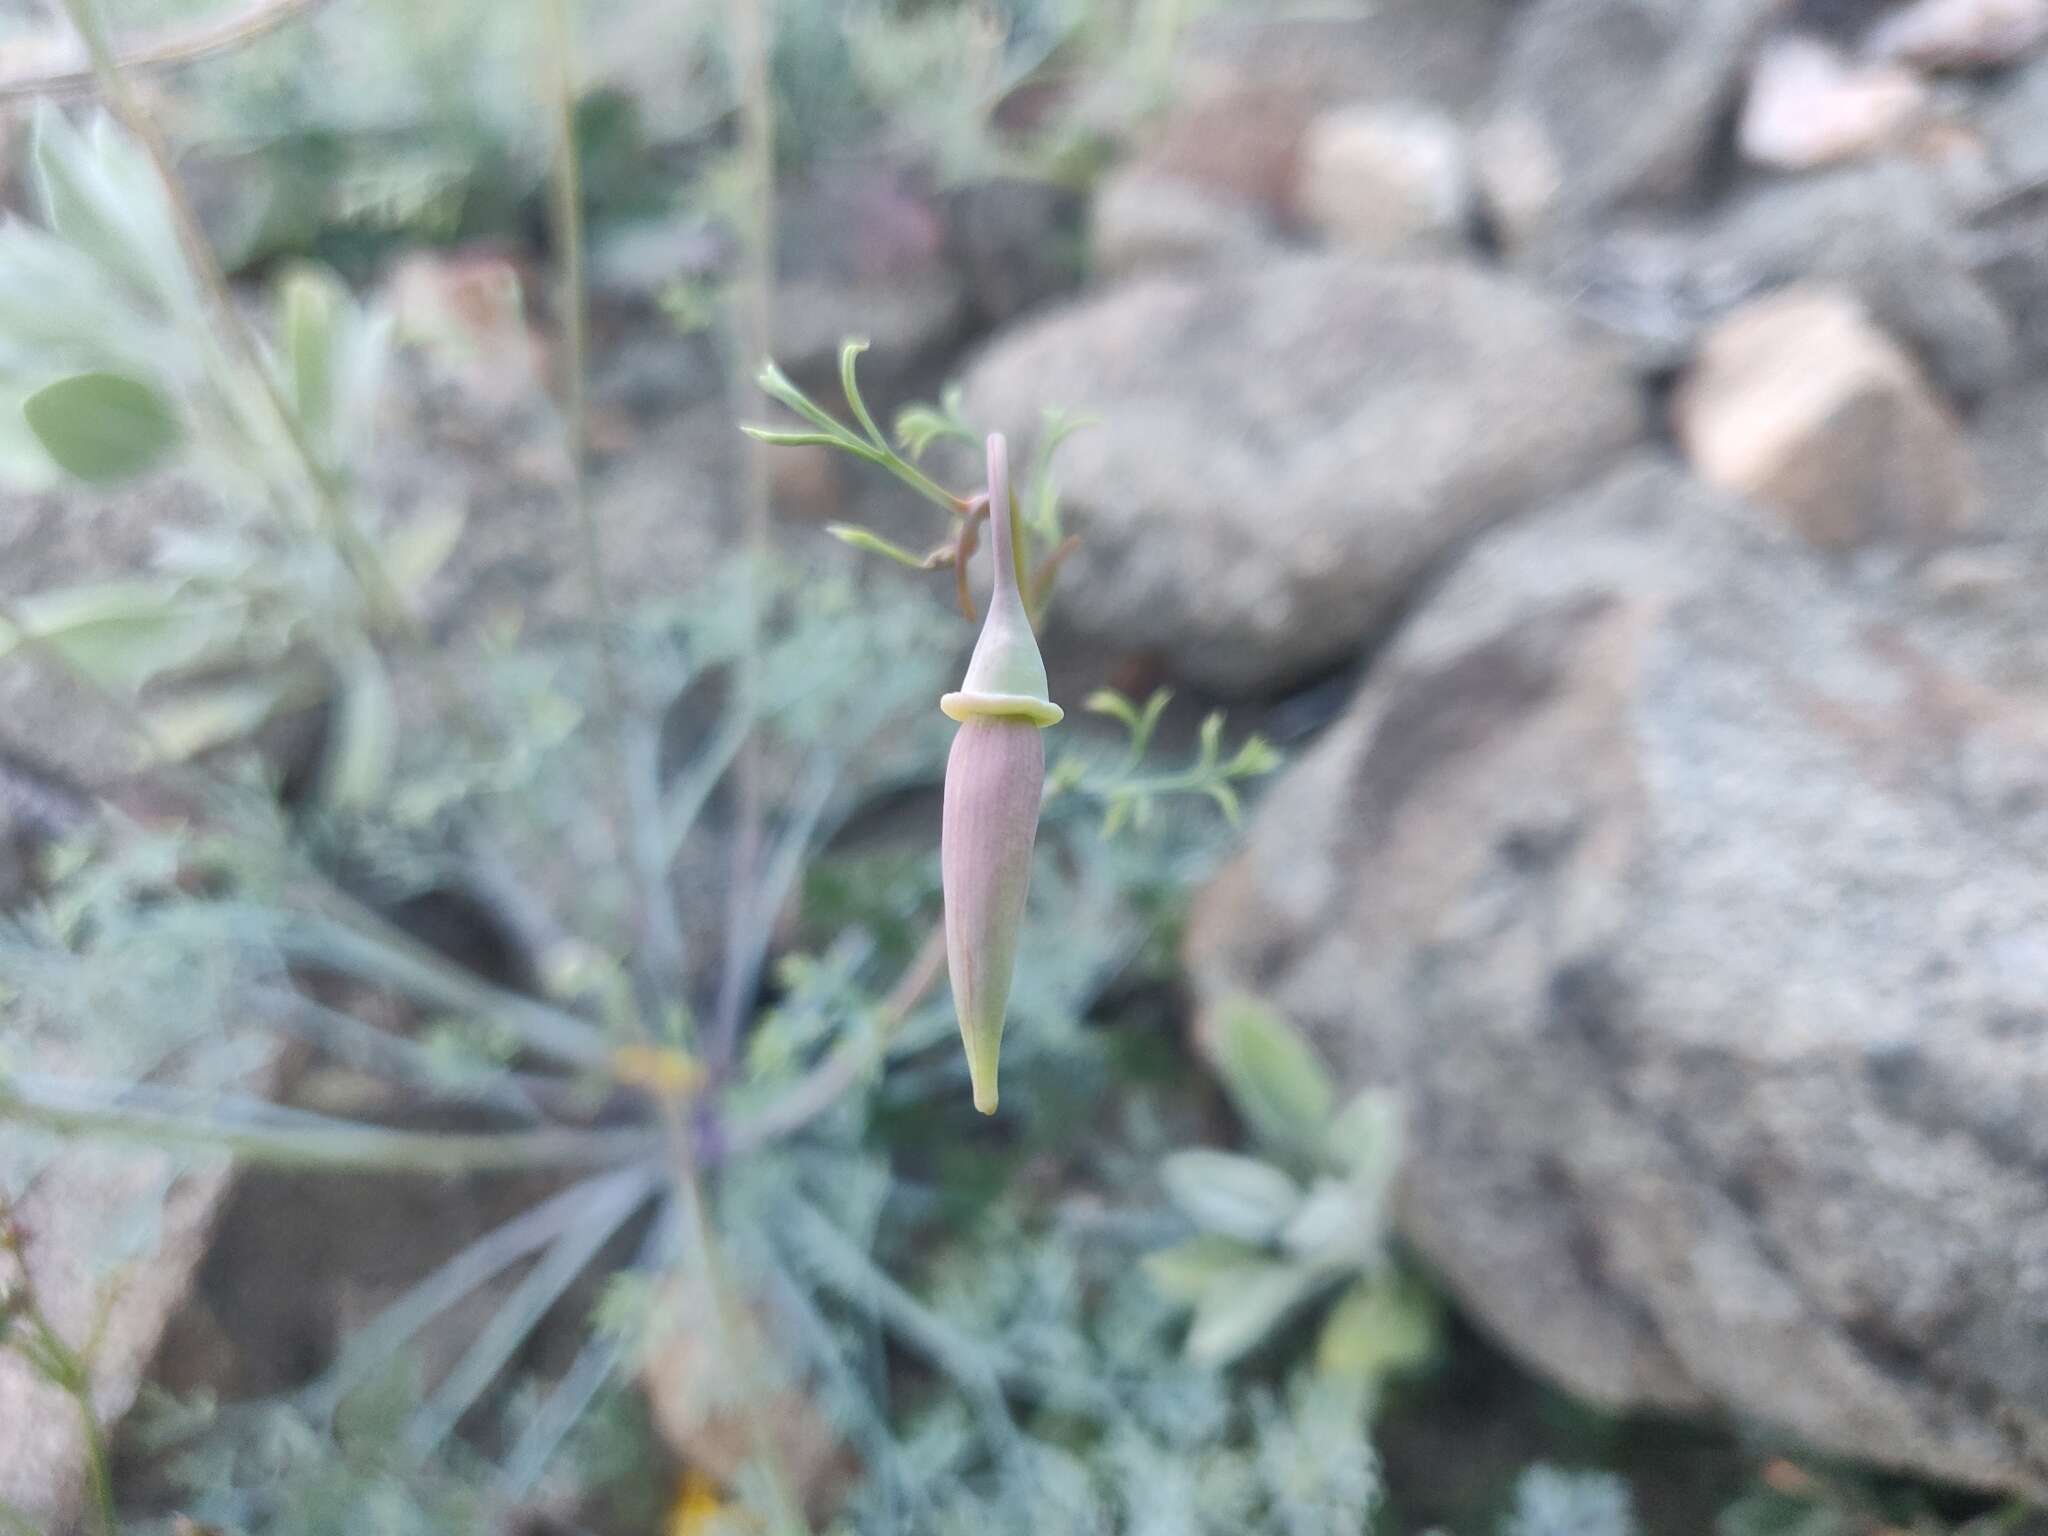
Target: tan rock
column 1384, row 179
column 1801, row 404
column 1961, row 34
column 1809, row 105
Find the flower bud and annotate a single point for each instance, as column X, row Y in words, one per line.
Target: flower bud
column 995, row 778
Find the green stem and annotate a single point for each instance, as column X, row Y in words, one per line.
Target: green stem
column 565, row 206
column 65, row 1369
column 787, row 1516
column 749, row 26
column 99, row 1472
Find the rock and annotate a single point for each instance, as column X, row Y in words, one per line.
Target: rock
column 1808, row 106
column 1017, row 245
column 1145, row 221
column 1603, row 103
column 863, row 251
column 1887, row 230
column 85, row 1205
column 1960, row 34
column 1799, row 403
column 1286, row 450
column 2005, row 234
column 1247, row 89
column 1380, row 180
column 1693, row 908
column 1432, row 54
column 1245, row 144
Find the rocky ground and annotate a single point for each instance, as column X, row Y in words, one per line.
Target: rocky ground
column 1646, row 402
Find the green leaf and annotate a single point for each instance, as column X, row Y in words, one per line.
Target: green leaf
column 1234, row 1317
column 1272, row 1075
column 80, row 202
column 213, row 717
column 1185, row 1272
column 1380, row 1327
column 362, row 738
column 919, row 426
column 102, row 427
column 1107, row 701
column 123, row 634
column 1337, row 1223
column 875, row 544
column 1226, row 801
column 1364, row 1140
column 1148, row 720
column 317, row 312
column 415, row 553
column 849, row 356
column 1254, row 759
column 1237, row 1197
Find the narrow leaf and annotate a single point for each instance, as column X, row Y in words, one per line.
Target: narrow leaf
column 875, row 544
column 1381, row 1326
column 317, row 316
column 415, row 553
column 1186, row 1271
column 1272, row 1075
column 214, row 717
column 1235, row 1317
column 362, row 738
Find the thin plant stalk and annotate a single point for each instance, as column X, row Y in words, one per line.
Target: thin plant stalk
column 361, row 1148
column 565, row 207
column 63, row 1368
column 787, row 1516
column 168, row 49
column 750, row 26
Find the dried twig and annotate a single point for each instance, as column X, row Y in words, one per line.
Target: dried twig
column 165, row 48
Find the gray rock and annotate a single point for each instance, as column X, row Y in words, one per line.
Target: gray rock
column 1285, row 451
column 2005, row 235
column 1605, row 103
column 1017, row 244
column 1146, row 221
column 1693, row 905
column 1246, row 89
column 1889, row 231
column 1429, row 53
column 864, row 250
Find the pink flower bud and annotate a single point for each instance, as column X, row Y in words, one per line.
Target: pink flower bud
column 995, row 778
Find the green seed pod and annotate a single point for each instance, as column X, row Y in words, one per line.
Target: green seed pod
column 995, row 778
